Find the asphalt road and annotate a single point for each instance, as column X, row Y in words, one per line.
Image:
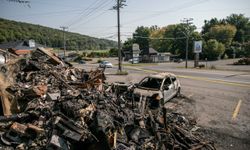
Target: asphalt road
column 221, row 99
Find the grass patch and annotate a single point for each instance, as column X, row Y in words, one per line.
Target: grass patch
column 181, row 67
column 121, row 73
column 213, row 67
column 140, row 64
column 99, row 60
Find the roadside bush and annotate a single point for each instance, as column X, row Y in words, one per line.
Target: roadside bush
column 78, row 58
column 213, row 49
column 113, row 52
column 212, row 67
column 87, row 59
column 243, row 61
column 201, row 66
column 99, row 60
column 122, row 73
column 99, row 54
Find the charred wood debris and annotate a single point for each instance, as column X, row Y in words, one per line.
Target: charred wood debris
column 49, row 104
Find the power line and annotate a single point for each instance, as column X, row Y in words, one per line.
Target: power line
column 82, row 12
column 88, row 14
column 166, row 38
column 102, row 5
column 47, row 13
column 95, row 17
column 185, row 5
column 90, row 19
column 50, row 3
column 194, row 2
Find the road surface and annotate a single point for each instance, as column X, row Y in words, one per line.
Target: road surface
column 221, row 99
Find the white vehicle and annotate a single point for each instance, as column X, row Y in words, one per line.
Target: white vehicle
column 159, row 88
column 105, row 64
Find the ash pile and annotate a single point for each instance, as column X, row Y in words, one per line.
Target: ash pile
column 48, row 104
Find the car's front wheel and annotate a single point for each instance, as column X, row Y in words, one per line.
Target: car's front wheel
column 178, row 93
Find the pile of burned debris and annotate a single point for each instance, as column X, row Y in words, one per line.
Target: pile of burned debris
column 48, row 104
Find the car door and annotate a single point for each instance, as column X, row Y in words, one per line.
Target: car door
column 168, row 89
column 174, row 81
column 175, row 84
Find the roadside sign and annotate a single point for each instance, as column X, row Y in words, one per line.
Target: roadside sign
column 135, row 47
column 136, row 53
column 197, row 46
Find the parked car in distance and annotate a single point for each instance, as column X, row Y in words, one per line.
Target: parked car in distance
column 159, row 88
column 178, row 60
column 105, row 64
column 130, row 60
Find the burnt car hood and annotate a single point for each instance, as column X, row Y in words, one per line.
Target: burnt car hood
column 147, row 92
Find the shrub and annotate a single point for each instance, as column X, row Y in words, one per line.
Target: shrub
column 122, row 73
column 213, row 67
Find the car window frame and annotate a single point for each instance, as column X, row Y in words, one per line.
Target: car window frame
column 164, row 82
column 154, row 89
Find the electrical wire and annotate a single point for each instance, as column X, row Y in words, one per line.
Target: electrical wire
column 48, row 13
column 183, row 6
column 88, row 14
column 82, row 12
column 167, row 38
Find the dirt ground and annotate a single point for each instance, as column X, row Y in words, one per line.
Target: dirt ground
column 221, row 139
column 211, row 104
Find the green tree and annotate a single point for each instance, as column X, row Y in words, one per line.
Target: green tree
column 246, row 47
column 141, row 37
column 16, row 31
column 180, row 32
column 127, row 46
column 113, row 52
column 172, row 38
column 213, row 49
column 156, row 37
column 223, row 33
column 241, row 23
column 210, row 23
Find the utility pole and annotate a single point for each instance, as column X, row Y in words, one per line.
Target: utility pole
column 119, row 38
column 187, row 21
column 120, row 4
column 64, row 41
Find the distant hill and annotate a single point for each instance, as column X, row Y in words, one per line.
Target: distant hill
column 15, row 31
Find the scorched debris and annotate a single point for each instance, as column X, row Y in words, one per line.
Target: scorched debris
column 48, row 104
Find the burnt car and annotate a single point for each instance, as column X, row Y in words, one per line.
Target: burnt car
column 158, row 88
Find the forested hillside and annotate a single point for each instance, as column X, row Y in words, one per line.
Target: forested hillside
column 14, row 31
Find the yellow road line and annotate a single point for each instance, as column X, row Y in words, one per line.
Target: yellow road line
column 135, row 68
column 197, row 78
column 215, row 81
column 236, row 110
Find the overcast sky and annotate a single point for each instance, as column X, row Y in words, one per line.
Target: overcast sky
column 95, row 17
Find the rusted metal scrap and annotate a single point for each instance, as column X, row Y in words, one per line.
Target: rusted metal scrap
column 58, row 106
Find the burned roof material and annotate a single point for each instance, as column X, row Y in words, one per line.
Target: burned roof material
column 47, row 105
